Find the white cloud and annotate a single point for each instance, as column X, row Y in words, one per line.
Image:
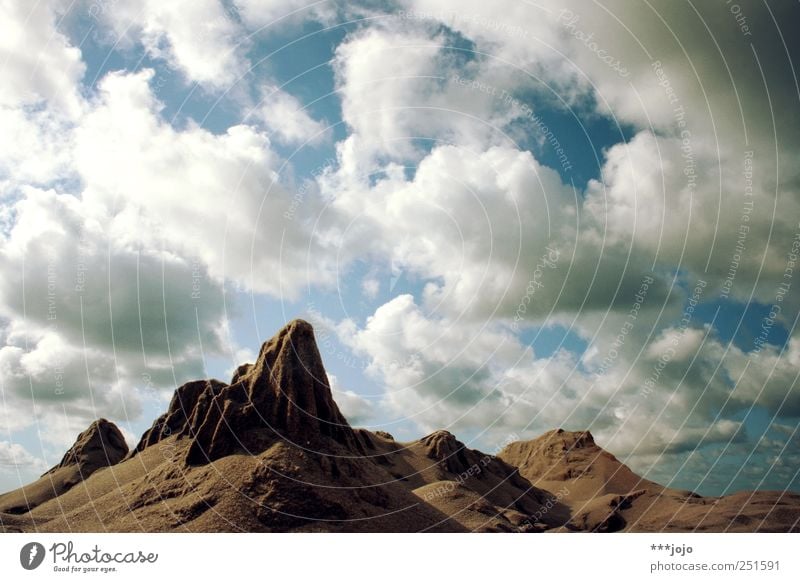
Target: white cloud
column 274, row 15
column 285, row 116
column 567, row 43
column 370, row 287
column 676, row 190
column 38, row 62
column 424, row 98
column 197, row 37
column 217, row 198
column 680, row 344
column 476, row 222
column 39, row 95
column 445, row 372
column 93, row 325
column 356, row 409
column 15, row 456
column 36, row 147
column 661, row 196
column 122, row 276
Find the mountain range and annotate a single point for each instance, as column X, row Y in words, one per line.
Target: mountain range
column 271, row 452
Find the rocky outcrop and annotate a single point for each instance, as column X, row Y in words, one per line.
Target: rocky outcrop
column 488, row 475
column 100, row 445
column 450, row 453
column 189, row 401
column 284, row 395
column 560, row 455
column 604, row 514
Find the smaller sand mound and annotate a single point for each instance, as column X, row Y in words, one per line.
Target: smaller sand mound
column 101, row 445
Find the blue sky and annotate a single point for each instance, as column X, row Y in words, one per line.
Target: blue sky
column 492, row 230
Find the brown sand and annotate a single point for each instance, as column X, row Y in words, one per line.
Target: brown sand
column 272, row 452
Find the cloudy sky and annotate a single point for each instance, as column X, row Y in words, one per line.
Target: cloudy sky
column 501, row 219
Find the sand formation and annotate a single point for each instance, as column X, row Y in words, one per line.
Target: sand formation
column 272, row 452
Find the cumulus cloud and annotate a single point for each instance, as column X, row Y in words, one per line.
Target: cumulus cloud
column 439, row 372
column 285, row 116
column 36, row 148
column 200, row 38
column 495, row 234
column 39, row 62
column 273, row 15
column 241, row 222
column 425, row 97
column 92, row 325
column 660, row 195
column 679, row 190
column 357, row 409
column 39, row 99
column 114, row 284
column 476, row 222
column 15, row 456
column 683, row 392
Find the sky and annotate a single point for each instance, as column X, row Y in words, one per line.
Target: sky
column 501, row 218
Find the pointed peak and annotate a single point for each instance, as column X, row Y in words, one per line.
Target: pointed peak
column 297, row 330
column 441, row 444
column 578, row 438
column 240, row 372
column 553, row 442
column 100, row 445
column 295, row 339
column 439, row 436
column 285, row 393
column 189, row 399
column 102, row 425
column 299, row 326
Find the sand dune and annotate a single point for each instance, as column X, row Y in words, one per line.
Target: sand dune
column 271, row 451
